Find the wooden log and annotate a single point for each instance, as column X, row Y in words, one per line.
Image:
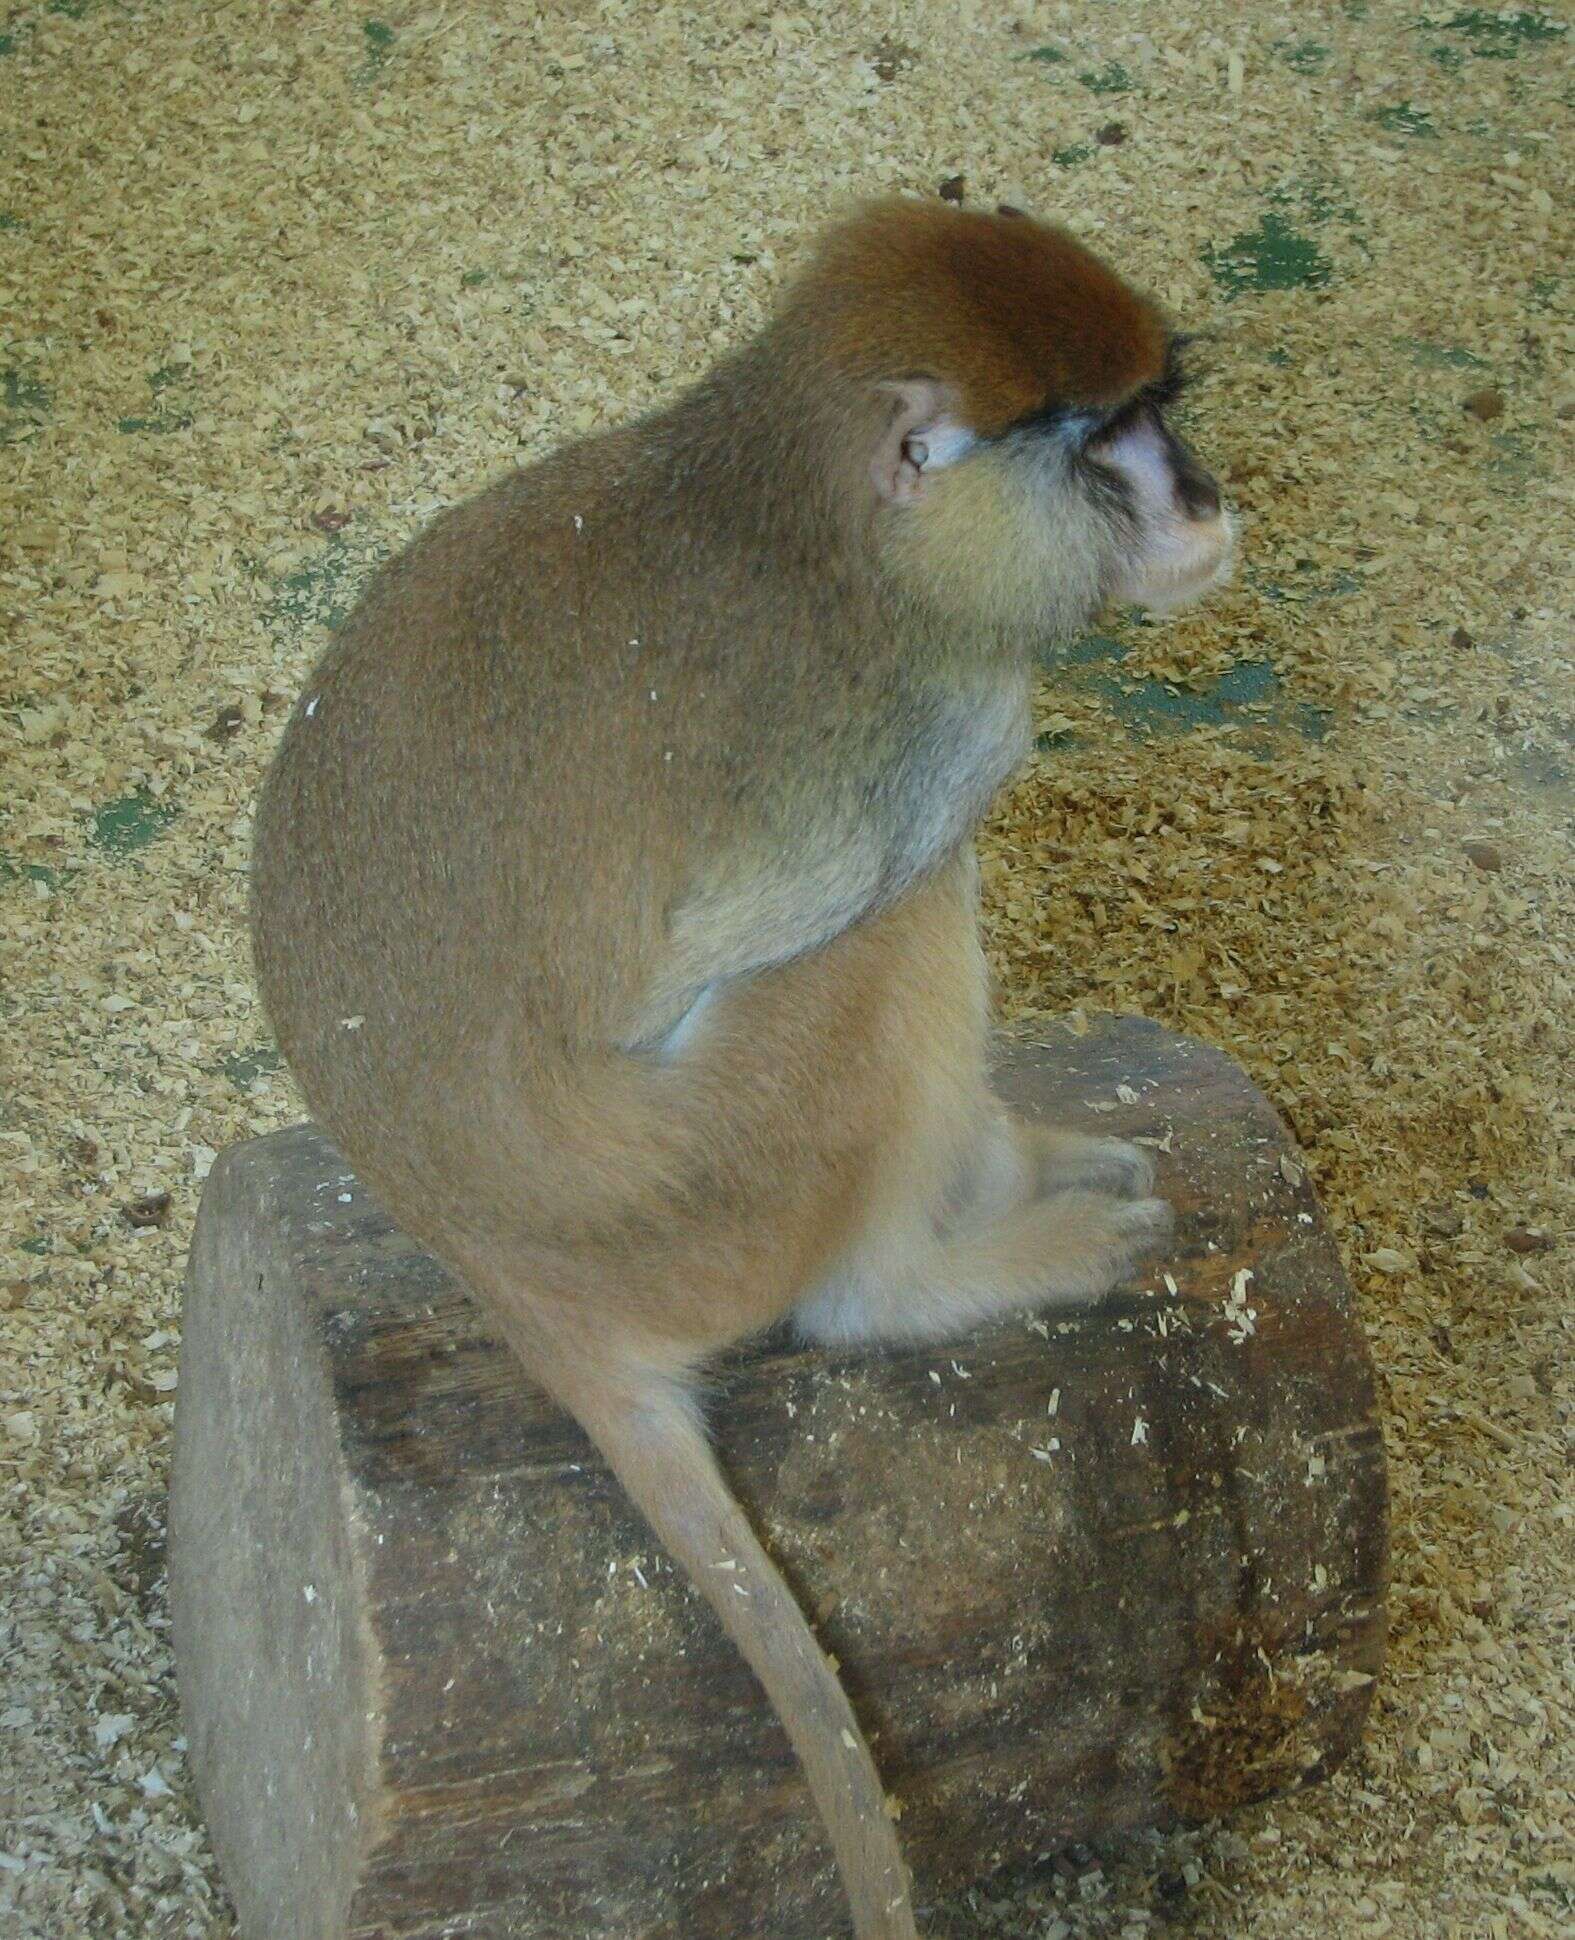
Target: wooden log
column 1081, row 1572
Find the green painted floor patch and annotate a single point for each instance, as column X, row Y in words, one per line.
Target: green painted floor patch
column 11, row 871
column 1513, row 457
column 379, row 40
column 1273, row 256
column 1308, row 586
column 1070, row 157
column 1112, row 78
column 1404, row 119
column 7, row 44
column 1303, row 56
column 320, row 593
column 1092, row 649
column 1250, row 693
column 1542, row 770
column 1315, row 200
column 131, row 823
column 24, row 404
column 19, row 392
column 244, row 1068
column 1047, row 55
column 1428, row 356
column 1498, row 36
column 160, row 426
column 162, row 421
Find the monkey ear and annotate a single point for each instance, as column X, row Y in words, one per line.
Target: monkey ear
column 923, row 436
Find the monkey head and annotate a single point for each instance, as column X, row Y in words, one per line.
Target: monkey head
column 1024, row 471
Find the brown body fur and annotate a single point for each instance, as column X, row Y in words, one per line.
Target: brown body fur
column 615, row 908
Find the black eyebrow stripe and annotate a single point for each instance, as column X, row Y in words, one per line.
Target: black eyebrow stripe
column 1162, row 390
column 1049, row 417
column 1174, row 378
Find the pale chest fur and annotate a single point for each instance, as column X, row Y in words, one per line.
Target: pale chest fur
column 959, row 749
column 900, row 806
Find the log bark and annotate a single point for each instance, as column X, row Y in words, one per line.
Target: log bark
column 1082, row 1572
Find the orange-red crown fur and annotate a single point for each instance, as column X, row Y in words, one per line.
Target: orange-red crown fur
column 1012, row 313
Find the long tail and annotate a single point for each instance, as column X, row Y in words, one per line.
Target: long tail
column 659, row 1452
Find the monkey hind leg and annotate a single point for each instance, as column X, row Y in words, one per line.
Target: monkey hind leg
column 1064, row 1161
column 1062, row 1250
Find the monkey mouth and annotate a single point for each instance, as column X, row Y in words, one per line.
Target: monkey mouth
column 1185, row 592
column 1197, row 566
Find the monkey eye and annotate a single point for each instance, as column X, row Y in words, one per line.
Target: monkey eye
column 1111, row 424
column 1156, row 396
column 1068, row 422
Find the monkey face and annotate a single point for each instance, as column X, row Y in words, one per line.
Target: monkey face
column 1024, row 468
column 1061, row 514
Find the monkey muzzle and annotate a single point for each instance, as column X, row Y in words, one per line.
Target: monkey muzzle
column 1183, row 541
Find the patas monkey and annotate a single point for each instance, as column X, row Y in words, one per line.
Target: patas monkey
column 614, row 896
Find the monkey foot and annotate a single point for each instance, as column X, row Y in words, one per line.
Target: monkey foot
column 1092, row 1241
column 1068, row 1161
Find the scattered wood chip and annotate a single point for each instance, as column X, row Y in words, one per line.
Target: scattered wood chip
column 152, row 1209
column 1524, row 1239
column 1443, row 1220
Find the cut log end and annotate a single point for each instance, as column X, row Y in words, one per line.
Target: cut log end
column 277, row 1649
column 1082, row 1572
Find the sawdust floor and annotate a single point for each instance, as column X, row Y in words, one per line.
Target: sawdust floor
column 276, row 281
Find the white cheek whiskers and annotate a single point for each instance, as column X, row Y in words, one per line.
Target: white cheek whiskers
column 1168, row 584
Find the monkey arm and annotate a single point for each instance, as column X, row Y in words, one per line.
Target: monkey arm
column 873, row 815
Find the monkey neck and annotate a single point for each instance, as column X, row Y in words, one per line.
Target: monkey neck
column 754, row 460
